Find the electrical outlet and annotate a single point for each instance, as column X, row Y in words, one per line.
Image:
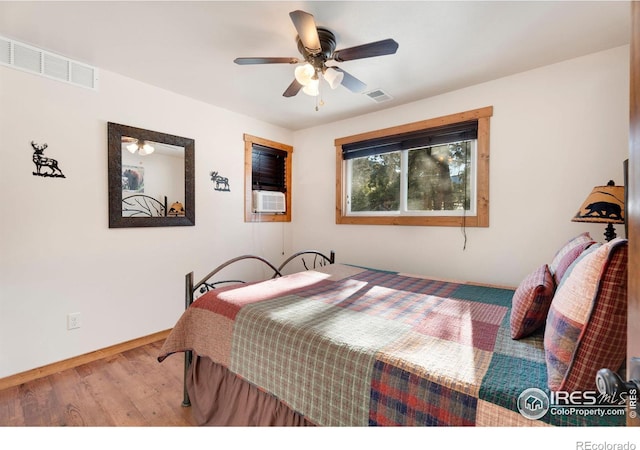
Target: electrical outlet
column 73, row 321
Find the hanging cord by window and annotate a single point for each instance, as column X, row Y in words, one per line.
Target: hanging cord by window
column 463, row 227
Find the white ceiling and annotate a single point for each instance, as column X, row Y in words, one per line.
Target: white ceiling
column 189, row 47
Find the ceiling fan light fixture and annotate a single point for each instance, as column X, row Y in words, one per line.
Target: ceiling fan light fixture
column 317, row 45
column 312, row 88
column 333, row 77
column 132, row 147
column 304, row 74
column 145, row 149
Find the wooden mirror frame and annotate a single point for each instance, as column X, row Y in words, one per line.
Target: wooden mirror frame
column 114, row 141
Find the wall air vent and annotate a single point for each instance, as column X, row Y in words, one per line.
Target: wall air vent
column 378, row 96
column 5, row 51
column 34, row 60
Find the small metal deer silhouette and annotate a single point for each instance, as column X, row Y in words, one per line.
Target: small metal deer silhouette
column 222, row 183
column 42, row 161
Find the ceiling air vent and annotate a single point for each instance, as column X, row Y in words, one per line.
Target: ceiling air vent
column 378, row 95
column 32, row 59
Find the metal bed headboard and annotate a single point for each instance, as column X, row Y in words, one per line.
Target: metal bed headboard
column 204, row 285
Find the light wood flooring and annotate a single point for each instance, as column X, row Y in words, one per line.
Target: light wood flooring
column 128, row 389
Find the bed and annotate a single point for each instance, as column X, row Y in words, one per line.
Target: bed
column 345, row 345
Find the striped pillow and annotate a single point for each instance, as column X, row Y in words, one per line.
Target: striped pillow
column 587, row 323
column 568, row 259
column 568, row 253
column 531, row 301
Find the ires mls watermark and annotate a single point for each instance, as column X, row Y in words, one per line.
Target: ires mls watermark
column 534, row 403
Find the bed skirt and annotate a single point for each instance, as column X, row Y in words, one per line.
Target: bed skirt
column 221, row 398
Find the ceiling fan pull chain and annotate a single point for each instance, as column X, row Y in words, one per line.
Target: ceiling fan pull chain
column 319, row 101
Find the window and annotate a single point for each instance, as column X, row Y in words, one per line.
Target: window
column 267, row 170
column 434, row 172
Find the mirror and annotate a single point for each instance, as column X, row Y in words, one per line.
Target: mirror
column 151, row 178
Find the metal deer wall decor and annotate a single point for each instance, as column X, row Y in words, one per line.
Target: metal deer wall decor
column 222, row 183
column 45, row 167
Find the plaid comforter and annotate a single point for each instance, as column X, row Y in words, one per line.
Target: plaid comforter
column 350, row 346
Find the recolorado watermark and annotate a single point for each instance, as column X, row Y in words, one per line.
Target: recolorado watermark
column 534, row 403
column 590, row 445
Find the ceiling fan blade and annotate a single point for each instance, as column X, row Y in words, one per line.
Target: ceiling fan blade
column 379, row 48
column 351, row 82
column 293, row 89
column 307, row 31
column 259, row 60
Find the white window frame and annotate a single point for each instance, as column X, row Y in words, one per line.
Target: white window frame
column 404, row 189
column 476, row 216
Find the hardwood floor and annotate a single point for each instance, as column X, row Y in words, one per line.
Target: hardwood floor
column 129, row 389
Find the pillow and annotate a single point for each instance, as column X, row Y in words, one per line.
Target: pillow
column 531, row 301
column 591, row 248
column 587, row 323
column 568, row 259
column 568, row 253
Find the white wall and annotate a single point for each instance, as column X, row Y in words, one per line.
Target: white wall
column 57, row 254
column 556, row 132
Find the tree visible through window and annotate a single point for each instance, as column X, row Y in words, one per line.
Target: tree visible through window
column 375, row 183
column 433, row 172
column 439, row 178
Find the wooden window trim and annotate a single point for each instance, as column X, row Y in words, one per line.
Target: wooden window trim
column 481, row 219
column 249, row 215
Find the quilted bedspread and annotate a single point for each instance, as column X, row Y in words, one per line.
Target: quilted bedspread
column 351, row 346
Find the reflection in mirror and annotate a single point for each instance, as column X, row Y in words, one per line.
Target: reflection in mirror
column 150, row 178
column 152, row 172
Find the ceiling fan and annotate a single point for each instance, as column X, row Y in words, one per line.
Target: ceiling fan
column 138, row 145
column 317, row 46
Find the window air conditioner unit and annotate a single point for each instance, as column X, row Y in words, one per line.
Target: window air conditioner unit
column 269, row 202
